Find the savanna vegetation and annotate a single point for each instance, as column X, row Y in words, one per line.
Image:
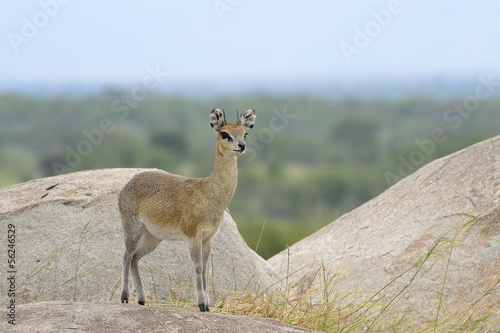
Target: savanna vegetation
column 309, row 159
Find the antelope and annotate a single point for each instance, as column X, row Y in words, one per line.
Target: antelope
column 157, row 205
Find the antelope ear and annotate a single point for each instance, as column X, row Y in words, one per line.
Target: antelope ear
column 217, row 120
column 247, row 119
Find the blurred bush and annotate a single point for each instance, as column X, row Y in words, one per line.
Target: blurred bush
column 309, row 159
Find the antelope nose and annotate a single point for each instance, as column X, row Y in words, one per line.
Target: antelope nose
column 241, row 145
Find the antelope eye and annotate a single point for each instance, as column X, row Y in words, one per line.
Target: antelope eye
column 226, row 136
column 245, row 136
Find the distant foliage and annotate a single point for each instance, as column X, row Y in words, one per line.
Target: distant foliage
column 299, row 174
column 174, row 139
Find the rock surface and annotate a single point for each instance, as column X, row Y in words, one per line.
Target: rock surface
column 418, row 218
column 112, row 317
column 69, row 245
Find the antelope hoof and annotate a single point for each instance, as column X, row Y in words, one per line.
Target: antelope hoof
column 204, row 308
column 125, row 300
column 141, row 302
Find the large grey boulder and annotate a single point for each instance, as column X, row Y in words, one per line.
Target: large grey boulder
column 113, row 317
column 69, row 245
column 420, row 232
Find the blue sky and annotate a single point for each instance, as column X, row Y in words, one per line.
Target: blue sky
column 239, row 40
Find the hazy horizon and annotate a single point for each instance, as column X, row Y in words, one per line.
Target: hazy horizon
column 230, row 43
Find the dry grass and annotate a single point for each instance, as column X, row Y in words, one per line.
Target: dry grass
column 321, row 307
column 316, row 302
column 320, row 302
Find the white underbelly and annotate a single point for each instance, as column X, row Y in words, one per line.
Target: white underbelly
column 163, row 232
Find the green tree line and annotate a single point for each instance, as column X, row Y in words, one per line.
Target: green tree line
column 309, row 159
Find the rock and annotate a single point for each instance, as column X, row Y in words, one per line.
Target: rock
column 69, row 245
column 412, row 230
column 114, row 317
